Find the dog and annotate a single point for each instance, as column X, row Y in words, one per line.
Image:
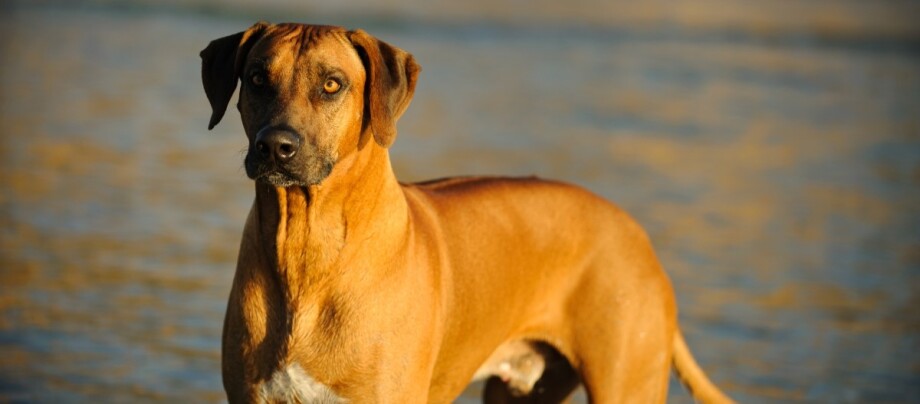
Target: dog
column 353, row 287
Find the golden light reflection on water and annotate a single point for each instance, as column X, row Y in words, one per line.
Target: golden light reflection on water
column 779, row 180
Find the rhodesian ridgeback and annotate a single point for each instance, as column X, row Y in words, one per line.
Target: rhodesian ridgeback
column 353, row 287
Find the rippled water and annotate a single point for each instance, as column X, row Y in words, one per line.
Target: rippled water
column 778, row 175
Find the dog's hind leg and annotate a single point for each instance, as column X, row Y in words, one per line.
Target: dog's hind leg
column 624, row 333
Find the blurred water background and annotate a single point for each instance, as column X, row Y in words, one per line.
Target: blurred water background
column 771, row 148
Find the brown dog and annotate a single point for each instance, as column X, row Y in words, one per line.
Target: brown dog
column 353, row 287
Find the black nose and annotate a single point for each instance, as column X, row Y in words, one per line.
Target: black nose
column 279, row 145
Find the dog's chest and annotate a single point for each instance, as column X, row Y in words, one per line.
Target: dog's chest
column 294, row 385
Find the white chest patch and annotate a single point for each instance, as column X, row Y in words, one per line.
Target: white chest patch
column 293, row 385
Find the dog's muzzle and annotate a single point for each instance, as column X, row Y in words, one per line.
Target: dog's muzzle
column 277, row 156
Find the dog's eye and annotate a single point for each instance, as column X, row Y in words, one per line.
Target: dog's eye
column 257, row 79
column 331, row 86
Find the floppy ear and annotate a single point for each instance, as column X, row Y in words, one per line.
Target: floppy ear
column 220, row 67
column 390, row 84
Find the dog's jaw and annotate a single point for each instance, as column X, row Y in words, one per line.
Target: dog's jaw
column 314, row 172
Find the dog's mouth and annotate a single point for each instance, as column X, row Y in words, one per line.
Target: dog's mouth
column 278, row 178
column 272, row 174
column 284, row 176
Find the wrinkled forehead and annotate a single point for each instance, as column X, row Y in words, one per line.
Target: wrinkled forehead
column 298, row 46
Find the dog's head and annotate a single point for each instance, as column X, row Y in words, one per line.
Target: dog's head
column 310, row 95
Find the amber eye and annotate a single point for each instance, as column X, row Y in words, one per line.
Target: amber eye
column 257, row 79
column 331, row 86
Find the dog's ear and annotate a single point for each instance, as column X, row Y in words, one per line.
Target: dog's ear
column 220, row 67
column 390, row 84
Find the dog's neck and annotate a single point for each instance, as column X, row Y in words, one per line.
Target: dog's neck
column 318, row 230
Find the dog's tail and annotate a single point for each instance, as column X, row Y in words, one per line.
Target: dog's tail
column 693, row 378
